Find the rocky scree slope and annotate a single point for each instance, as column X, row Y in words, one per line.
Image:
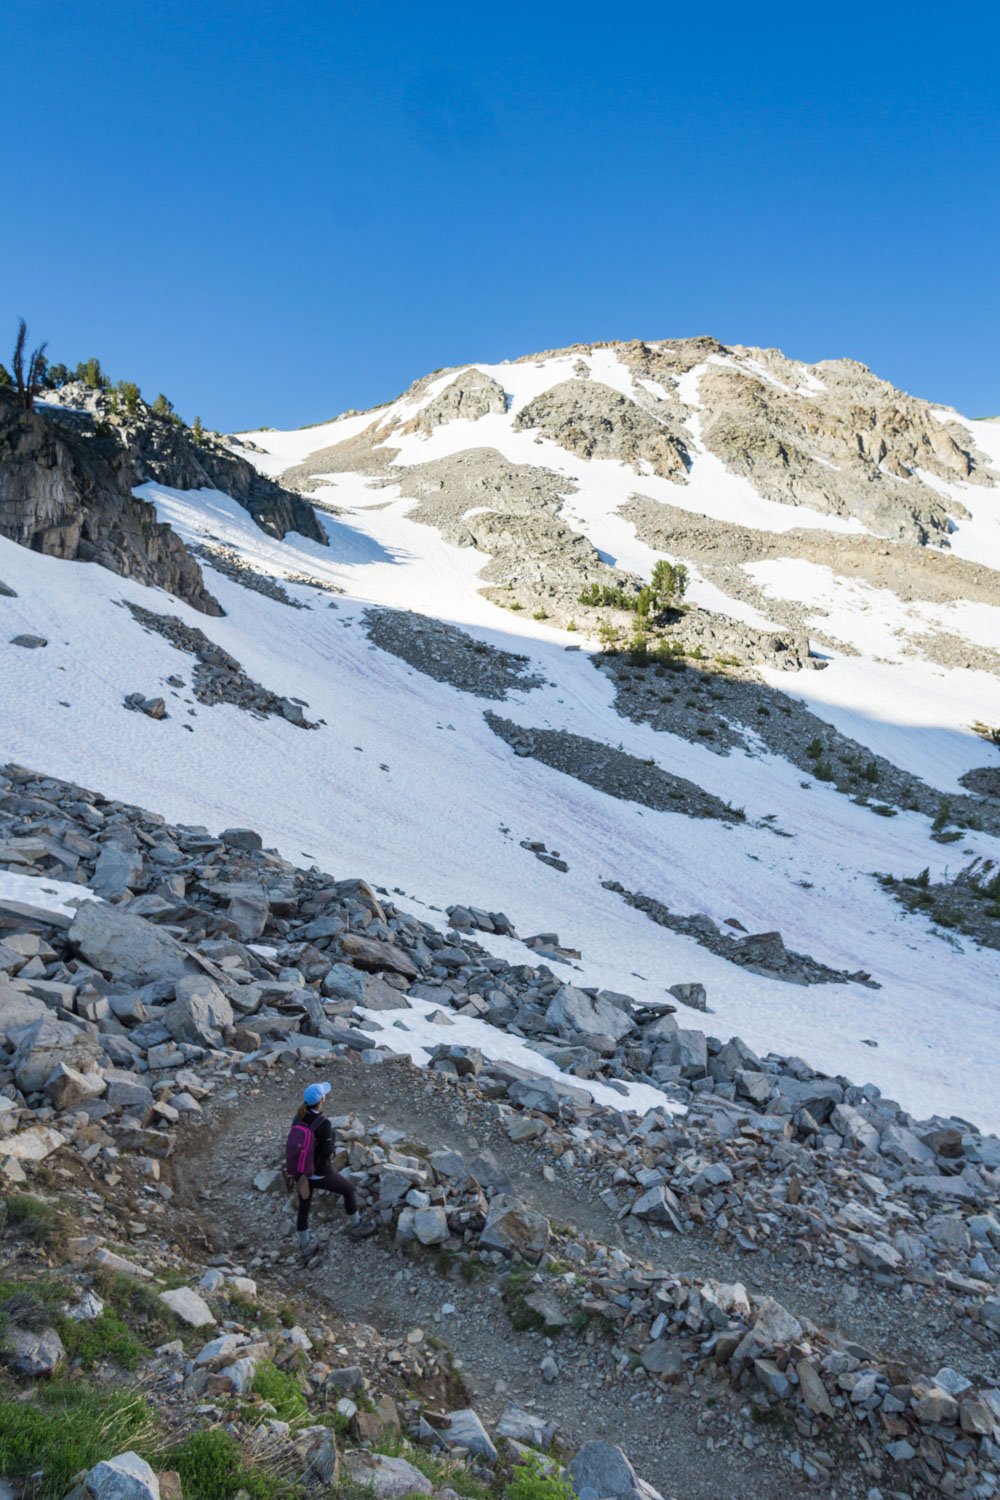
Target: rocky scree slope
column 208, row 963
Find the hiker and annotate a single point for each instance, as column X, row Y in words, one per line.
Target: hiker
column 307, row 1162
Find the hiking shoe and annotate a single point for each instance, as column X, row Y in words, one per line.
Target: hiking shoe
column 362, row 1229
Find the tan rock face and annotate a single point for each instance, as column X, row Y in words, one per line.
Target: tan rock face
column 591, row 420
column 837, row 439
column 471, row 395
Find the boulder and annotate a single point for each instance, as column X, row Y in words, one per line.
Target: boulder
column 34, row 1144
column 694, row 996
column 127, row 1477
column 600, row 1471
column 35, row 1354
column 250, row 911
column 65, row 1086
column 187, row 1305
column 511, row 1225
column 388, row 1478
column 430, row 1225
column 46, row 1043
column 373, row 955
column 199, row 1012
column 575, row 1013
column 117, row 873
column 127, row 947
column 465, row 1430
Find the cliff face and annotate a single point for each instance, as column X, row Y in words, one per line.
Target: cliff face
column 70, row 495
column 165, row 452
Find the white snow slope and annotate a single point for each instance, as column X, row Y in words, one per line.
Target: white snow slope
column 405, row 784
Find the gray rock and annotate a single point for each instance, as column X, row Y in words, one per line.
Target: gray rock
column 430, row 1225
column 118, row 872
column 511, row 1225
column 389, row 1478
column 127, row 947
column 45, row 1044
column 187, row 1305
column 199, row 1013
column 575, row 1013
column 600, row 1471
column 465, row 1430
column 127, row 1477
column 692, row 995
column 65, row 1086
column 30, row 642
column 35, row 1354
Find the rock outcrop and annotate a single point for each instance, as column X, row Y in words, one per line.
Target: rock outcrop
column 69, row 495
column 162, row 449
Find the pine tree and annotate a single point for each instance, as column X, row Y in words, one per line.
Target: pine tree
column 6, row 384
column 130, row 395
column 30, row 383
column 197, row 431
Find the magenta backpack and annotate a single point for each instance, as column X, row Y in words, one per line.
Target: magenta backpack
column 300, row 1152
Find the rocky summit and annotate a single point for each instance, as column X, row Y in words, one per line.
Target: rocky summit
column 634, row 886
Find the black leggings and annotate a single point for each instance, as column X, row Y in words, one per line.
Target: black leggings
column 332, row 1182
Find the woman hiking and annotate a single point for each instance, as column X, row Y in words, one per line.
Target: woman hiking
column 307, row 1159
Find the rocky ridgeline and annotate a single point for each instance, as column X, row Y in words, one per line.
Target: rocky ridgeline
column 218, row 677
column 208, row 958
column 164, row 450
column 69, row 495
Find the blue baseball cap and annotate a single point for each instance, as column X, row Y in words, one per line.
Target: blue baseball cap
column 316, row 1093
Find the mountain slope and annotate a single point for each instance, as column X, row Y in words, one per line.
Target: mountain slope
column 519, row 483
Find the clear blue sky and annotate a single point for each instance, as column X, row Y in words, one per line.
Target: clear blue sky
column 273, row 211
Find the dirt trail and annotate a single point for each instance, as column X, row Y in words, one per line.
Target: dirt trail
column 665, row 1431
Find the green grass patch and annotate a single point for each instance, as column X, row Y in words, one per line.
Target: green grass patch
column 91, row 1340
column 70, row 1426
column 32, row 1304
column 283, row 1390
column 33, row 1219
column 530, row 1481
column 212, row 1467
column 138, row 1306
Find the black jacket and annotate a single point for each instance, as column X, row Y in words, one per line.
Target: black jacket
column 323, row 1132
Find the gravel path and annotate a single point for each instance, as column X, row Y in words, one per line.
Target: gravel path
column 693, row 1442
